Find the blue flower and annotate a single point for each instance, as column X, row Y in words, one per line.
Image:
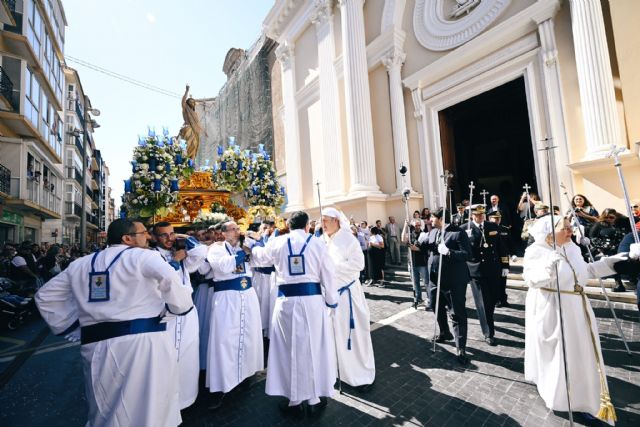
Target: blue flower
column 151, row 132
column 220, row 150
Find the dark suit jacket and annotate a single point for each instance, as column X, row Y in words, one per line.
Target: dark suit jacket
column 486, row 262
column 454, row 265
column 506, row 214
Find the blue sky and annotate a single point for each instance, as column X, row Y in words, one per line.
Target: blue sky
column 163, row 43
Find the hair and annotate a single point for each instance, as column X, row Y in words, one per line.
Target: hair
column 607, row 212
column 254, row 226
column 375, row 231
column 586, row 201
column 364, row 222
column 160, row 224
column 416, row 212
column 269, row 222
column 119, row 228
column 298, row 220
column 438, row 213
column 224, row 225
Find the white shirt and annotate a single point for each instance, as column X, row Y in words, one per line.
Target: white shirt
column 376, row 238
column 18, row 261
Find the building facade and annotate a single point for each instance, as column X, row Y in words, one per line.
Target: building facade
column 31, row 129
column 476, row 87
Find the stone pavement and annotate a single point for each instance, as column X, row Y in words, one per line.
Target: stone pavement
column 414, row 386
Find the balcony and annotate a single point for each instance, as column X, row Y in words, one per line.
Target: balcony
column 8, row 12
column 11, row 98
column 36, row 200
column 72, row 209
column 5, row 180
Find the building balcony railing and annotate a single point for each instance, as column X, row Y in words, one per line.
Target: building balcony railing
column 71, row 208
column 42, row 196
column 5, row 180
column 6, row 89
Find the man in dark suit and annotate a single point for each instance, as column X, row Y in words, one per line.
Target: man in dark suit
column 460, row 217
column 456, row 251
column 496, row 206
column 505, row 237
column 488, row 263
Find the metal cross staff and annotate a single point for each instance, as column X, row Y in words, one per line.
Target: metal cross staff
column 319, row 199
column 471, row 187
column 450, row 191
column 547, row 148
column 445, row 177
column 627, row 202
column 576, row 224
column 405, row 199
column 484, row 197
column 526, row 188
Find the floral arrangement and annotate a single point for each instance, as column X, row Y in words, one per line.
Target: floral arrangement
column 264, row 188
column 211, row 218
column 159, row 162
column 217, row 208
column 231, row 170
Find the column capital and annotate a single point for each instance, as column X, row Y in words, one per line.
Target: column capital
column 393, row 58
column 342, row 3
column 322, row 11
column 285, row 54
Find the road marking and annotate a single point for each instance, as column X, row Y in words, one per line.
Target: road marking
column 46, row 349
column 389, row 320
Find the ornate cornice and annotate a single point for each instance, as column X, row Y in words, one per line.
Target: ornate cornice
column 285, row 54
column 322, row 12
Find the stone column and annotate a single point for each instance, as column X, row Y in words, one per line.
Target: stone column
column 597, row 93
column 429, row 168
column 286, row 57
column 329, row 100
column 362, row 161
column 393, row 61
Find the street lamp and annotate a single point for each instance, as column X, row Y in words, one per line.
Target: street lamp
column 83, row 218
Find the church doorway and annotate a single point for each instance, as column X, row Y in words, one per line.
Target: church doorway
column 487, row 139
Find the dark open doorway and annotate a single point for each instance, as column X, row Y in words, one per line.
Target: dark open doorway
column 487, row 139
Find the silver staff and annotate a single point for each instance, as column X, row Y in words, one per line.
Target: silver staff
column 576, row 224
column 484, row 197
column 471, row 187
column 451, row 210
column 546, row 149
column 445, row 176
column 627, row 202
column 526, row 188
column 405, row 199
column 333, row 321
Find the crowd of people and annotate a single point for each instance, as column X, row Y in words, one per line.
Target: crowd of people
column 292, row 299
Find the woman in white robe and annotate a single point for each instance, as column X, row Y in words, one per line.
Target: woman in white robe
column 543, row 340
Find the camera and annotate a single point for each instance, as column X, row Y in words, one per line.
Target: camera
column 180, row 244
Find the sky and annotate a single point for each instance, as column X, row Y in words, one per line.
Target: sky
column 164, row 43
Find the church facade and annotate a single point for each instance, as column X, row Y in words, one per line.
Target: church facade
column 477, row 87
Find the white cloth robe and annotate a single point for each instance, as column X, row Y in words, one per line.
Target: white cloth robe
column 185, row 329
column 264, row 285
column 302, row 360
column 357, row 365
column 202, row 298
column 543, row 343
column 132, row 379
column 235, row 350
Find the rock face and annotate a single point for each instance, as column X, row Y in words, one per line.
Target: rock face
column 243, row 107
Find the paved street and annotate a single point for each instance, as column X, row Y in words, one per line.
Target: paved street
column 42, row 379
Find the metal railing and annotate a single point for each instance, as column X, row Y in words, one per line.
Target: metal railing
column 5, row 180
column 6, row 89
column 71, row 208
column 17, row 16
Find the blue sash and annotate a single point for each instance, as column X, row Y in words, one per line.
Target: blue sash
column 235, row 284
column 299, row 289
column 107, row 330
column 352, row 323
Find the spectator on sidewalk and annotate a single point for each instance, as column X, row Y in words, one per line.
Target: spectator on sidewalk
column 410, row 237
column 376, row 256
column 393, row 235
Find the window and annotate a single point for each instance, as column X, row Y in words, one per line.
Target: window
column 32, row 92
column 34, row 30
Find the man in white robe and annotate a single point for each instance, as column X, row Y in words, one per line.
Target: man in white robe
column 543, row 356
column 184, row 327
column 302, row 361
column 129, row 360
column 353, row 334
column 264, row 279
column 235, row 329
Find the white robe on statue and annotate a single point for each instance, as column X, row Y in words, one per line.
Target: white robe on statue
column 302, row 361
column 235, row 331
column 357, row 365
column 185, row 329
column 130, row 380
column 543, row 342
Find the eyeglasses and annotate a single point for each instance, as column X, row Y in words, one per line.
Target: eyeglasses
column 166, row 235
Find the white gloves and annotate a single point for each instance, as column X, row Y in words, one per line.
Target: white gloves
column 73, row 336
column 611, row 260
column 505, row 272
column 634, row 251
column 468, row 232
column 552, row 260
column 585, row 241
column 443, row 249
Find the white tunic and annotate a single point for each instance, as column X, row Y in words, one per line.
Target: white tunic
column 132, row 379
column 202, row 300
column 185, row 329
column 357, row 365
column 264, row 285
column 302, row 361
column 235, row 330
column 543, row 343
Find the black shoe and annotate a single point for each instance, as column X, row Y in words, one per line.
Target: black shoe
column 314, row 411
column 619, row 288
column 364, row 388
column 444, row 337
column 499, row 304
column 462, row 357
column 491, row 341
column 293, row 411
column 215, row 402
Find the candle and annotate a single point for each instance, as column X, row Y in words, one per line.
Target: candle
column 232, row 140
column 220, row 150
column 123, row 213
column 157, row 185
column 151, row 132
column 190, row 163
column 239, row 164
column 223, row 165
column 178, row 159
column 236, row 149
column 153, row 163
column 261, row 148
column 282, row 190
column 170, row 141
column 174, row 185
column 141, row 141
column 167, row 167
column 165, row 131
column 127, row 186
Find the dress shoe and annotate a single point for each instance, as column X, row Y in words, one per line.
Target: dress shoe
column 462, row 357
column 444, row 337
column 499, row 304
column 364, row 388
column 314, row 411
column 619, row 288
column 491, row 341
column 296, row 411
column 216, row 401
